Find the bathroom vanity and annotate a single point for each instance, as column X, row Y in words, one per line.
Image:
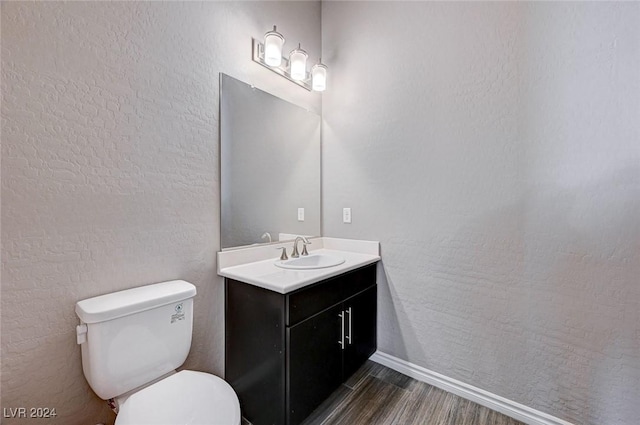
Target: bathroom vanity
column 288, row 348
column 293, row 334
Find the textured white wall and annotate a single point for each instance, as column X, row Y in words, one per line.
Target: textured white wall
column 110, row 170
column 494, row 150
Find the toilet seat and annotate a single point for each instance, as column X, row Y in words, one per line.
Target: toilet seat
column 187, row 397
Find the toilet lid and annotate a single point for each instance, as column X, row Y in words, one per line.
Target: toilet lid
column 184, row 398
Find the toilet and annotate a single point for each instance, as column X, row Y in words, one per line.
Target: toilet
column 132, row 341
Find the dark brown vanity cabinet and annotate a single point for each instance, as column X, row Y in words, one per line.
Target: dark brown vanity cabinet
column 286, row 353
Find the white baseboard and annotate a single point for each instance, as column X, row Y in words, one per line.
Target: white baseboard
column 492, row 401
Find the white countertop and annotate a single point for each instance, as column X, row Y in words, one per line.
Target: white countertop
column 257, row 267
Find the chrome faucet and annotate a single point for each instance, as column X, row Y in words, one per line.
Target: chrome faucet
column 305, row 242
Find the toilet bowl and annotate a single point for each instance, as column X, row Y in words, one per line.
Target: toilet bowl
column 186, row 397
column 132, row 341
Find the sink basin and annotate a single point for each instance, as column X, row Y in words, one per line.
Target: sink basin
column 311, row 261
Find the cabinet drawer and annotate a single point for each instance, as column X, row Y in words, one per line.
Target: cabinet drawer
column 308, row 301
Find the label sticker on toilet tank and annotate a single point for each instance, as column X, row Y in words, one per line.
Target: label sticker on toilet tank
column 179, row 315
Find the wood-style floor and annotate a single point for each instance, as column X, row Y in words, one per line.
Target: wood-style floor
column 377, row 395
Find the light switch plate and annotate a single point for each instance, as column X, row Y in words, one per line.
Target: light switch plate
column 346, row 215
column 300, row 214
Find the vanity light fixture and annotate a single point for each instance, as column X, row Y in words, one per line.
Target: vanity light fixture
column 319, row 76
column 293, row 68
column 273, row 42
column 298, row 64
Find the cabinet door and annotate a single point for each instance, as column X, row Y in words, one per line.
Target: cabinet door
column 254, row 351
column 360, row 330
column 314, row 359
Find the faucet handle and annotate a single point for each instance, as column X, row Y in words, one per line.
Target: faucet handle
column 304, row 248
column 283, row 256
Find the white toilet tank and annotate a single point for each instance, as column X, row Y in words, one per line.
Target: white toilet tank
column 135, row 336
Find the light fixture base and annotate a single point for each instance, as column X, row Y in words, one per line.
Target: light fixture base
column 283, row 69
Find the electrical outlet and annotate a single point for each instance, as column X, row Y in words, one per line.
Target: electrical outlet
column 346, row 215
column 300, row 214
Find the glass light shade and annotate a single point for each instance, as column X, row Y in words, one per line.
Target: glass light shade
column 319, row 77
column 273, row 42
column 298, row 64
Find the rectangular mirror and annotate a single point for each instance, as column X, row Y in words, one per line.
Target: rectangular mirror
column 270, row 167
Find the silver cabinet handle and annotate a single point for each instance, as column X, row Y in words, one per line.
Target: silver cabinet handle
column 341, row 342
column 349, row 336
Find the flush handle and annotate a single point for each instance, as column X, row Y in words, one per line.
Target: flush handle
column 81, row 334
